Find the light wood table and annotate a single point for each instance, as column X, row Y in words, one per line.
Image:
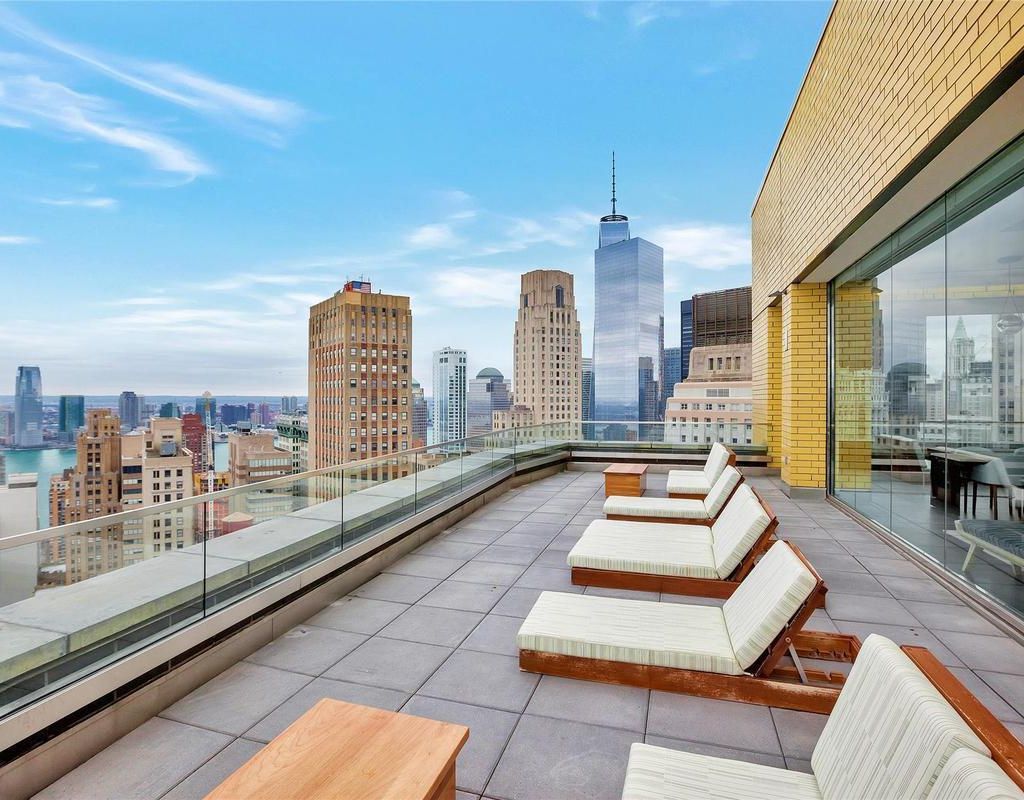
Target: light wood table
column 628, row 480
column 342, row 750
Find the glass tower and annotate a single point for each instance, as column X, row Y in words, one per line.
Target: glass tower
column 629, row 323
column 28, row 407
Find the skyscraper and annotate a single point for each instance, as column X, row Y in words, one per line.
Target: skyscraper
column 629, row 322
column 360, row 357
column 485, row 394
column 129, row 408
column 587, row 389
column 548, row 351
column 685, row 337
column 671, row 369
column 28, row 407
column 206, row 408
column 71, row 417
column 420, row 416
column 449, row 394
column 169, row 410
column 722, row 317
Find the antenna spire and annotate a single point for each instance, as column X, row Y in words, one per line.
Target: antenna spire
column 613, row 181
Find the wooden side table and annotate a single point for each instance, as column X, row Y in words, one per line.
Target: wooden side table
column 628, row 480
column 339, row 749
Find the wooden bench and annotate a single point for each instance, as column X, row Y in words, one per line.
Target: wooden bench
column 342, row 750
column 625, row 480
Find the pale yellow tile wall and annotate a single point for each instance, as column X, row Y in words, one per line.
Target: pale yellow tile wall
column 886, row 79
column 803, row 384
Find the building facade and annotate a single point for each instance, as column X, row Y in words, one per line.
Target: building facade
column 129, row 408
column 515, row 416
column 197, row 441
column 420, row 416
column 70, row 417
column 360, row 360
column 293, row 436
column 629, row 323
column 449, row 368
column 587, row 390
column 254, row 456
column 721, row 317
column 685, row 336
column 206, row 408
column 892, row 208
column 671, row 368
column 485, row 394
column 715, row 403
column 28, row 407
column 548, row 352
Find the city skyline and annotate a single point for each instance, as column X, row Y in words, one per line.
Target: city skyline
column 224, row 226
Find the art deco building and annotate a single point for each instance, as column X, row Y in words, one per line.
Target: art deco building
column 548, row 362
column 360, row 358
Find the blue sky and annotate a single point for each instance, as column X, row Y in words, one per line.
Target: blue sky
column 181, row 181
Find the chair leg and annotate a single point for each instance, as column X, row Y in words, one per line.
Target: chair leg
column 993, row 501
column 970, row 555
column 974, row 507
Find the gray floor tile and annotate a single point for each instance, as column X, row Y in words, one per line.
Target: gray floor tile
column 463, row 596
column 482, row 679
column 552, row 558
column 389, row 663
column 448, row 549
column 502, row 554
column 472, row 535
column 1009, row 687
column 897, row 567
column 798, row 731
column 495, row 634
column 425, row 566
column 852, row 582
column 490, row 523
column 517, row 602
column 836, row 562
column 513, row 539
column 860, row 608
column 741, row 725
column 554, row 758
column 991, row 699
column 237, row 698
column 565, row 541
column 916, row 635
column 209, row 776
column 489, row 573
column 799, row 765
column 548, row 578
column 872, row 549
column 432, row 625
column 127, row 769
column 299, row 703
column 990, row 653
column 924, row 590
column 307, row 649
column 594, row 703
column 489, row 731
column 705, row 749
column 396, row 588
column 945, row 617
column 357, row 614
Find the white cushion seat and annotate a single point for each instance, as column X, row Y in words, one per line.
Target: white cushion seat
column 657, row 773
column 687, row 481
column 630, row 631
column 652, row 548
column 971, row 776
column 655, row 507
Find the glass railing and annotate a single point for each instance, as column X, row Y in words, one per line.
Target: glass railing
column 76, row 597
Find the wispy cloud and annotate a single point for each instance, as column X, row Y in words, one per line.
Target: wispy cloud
column 708, row 246
column 80, row 202
column 476, row 287
column 640, row 15
column 17, row 239
column 37, row 102
column 433, row 237
column 141, row 301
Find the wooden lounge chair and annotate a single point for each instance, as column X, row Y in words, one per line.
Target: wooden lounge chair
column 664, row 509
column 679, row 559
column 731, row 652
column 1002, row 539
column 694, row 484
column 903, row 728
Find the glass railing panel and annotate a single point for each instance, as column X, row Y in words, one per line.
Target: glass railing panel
column 378, row 494
column 438, row 475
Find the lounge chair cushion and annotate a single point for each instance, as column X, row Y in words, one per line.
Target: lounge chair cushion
column 720, row 491
column 686, row 481
column 1004, row 535
column 630, row 631
column 890, row 732
column 718, row 460
column 664, row 507
column 971, row 776
column 736, row 530
column 652, row 548
column 657, row 773
column 765, row 601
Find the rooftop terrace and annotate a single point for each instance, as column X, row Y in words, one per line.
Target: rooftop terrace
column 434, row 635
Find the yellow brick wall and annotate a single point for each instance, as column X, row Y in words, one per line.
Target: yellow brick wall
column 886, row 79
column 804, row 364
column 767, row 389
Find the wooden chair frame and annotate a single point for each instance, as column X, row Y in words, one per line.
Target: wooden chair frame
column 1007, row 750
column 688, row 496
column 768, row 684
column 706, row 521
column 720, row 588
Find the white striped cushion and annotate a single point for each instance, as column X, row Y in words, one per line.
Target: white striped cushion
column 655, row 507
column 971, row 776
column 656, row 773
column 765, row 601
column 734, row 532
column 630, row 631
column 653, row 548
column 685, row 481
column 720, row 491
column 718, row 460
column 890, row 731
